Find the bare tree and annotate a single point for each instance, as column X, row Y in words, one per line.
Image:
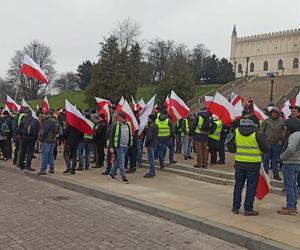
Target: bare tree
column 29, row 88
column 127, row 33
column 198, row 58
column 158, row 55
column 6, row 89
column 67, row 81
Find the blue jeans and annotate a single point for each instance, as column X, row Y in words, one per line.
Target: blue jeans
column 252, row 180
column 273, row 156
column 84, row 153
column 120, row 160
column 150, row 153
column 162, row 149
column 139, row 151
column 291, row 172
column 47, row 156
column 171, row 147
column 187, row 146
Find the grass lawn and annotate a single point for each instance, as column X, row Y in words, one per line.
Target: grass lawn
column 78, row 97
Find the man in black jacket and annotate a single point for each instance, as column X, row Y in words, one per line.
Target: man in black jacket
column 151, row 143
column 100, row 137
column 28, row 130
column 248, row 144
column 72, row 137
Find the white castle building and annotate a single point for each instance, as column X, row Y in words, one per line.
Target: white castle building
column 276, row 52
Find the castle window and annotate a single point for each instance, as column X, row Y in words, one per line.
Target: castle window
column 295, row 63
column 252, row 67
column 265, row 66
column 239, row 68
column 280, row 64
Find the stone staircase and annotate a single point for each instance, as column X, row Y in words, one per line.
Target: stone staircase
column 259, row 89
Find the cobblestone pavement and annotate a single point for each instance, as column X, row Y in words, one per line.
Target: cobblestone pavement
column 39, row 215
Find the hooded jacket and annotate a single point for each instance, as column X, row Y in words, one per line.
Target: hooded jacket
column 206, row 126
column 247, row 128
column 163, row 117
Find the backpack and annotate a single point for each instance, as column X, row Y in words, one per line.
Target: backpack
column 4, row 128
column 29, row 127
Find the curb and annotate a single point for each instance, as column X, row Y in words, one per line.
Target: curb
column 215, row 229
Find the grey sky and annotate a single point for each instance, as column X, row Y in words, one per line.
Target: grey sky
column 73, row 28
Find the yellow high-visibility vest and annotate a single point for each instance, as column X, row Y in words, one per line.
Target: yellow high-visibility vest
column 163, row 128
column 217, row 134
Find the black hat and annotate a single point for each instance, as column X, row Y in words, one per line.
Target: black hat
column 5, row 112
column 292, row 124
column 152, row 117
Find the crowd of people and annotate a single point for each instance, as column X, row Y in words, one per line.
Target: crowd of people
column 273, row 142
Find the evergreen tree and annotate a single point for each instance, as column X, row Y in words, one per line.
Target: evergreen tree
column 84, row 72
column 226, row 73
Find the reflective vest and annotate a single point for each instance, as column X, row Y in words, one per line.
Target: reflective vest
column 187, row 127
column 247, row 149
column 163, row 128
column 180, row 130
column 20, row 118
column 199, row 126
column 117, row 135
column 217, row 134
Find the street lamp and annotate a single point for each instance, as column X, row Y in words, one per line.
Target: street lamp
column 247, row 60
column 234, row 69
column 271, row 76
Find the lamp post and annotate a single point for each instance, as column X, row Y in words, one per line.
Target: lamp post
column 247, row 60
column 271, row 76
column 282, row 70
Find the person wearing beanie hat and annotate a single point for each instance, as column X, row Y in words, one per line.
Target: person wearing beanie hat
column 291, row 166
column 273, row 128
column 100, row 136
column 151, row 143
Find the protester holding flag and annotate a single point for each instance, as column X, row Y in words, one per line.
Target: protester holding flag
column 188, row 139
column 291, row 166
column 214, row 139
column 119, row 142
column 273, row 129
column 200, row 129
column 248, row 144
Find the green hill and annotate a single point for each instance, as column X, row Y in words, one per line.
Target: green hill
column 78, row 97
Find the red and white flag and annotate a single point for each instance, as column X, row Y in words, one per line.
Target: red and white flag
column 178, row 107
column 12, row 105
column 235, row 98
column 31, row 69
column 167, row 101
column 145, row 112
column 130, row 116
column 141, row 104
column 120, row 104
column 77, row 120
column 296, row 101
column 134, row 105
column 259, row 113
column 286, row 109
column 7, row 109
column 101, row 102
column 105, row 111
column 263, row 186
column 221, row 107
column 207, row 100
column 26, row 105
column 45, row 105
column 239, row 108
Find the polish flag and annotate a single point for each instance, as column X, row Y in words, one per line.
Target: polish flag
column 141, row 104
column 263, row 186
column 120, row 104
column 239, row 107
column 105, row 111
column 12, row 105
column 259, row 113
column 178, row 107
column 286, row 109
column 45, row 105
column 26, row 105
column 77, row 120
column 101, row 102
column 235, row 98
column 145, row 112
column 130, row 116
column 31, row 69
column 296, row 101
column 7, row 109
column 167, row 101
column 207, row 100
column 221, row 107
column 134, row 105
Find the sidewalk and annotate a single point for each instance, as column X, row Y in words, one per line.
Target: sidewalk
column 196, row 198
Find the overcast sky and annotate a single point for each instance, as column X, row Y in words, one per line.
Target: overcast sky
column 73, row 28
